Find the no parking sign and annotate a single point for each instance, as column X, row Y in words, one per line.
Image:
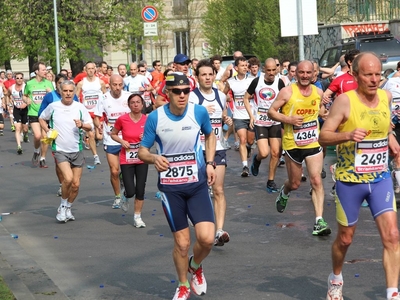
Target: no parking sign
column 149, row 13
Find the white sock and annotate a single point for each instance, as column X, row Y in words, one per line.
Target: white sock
column 316, row 219
column 42, row 158
column 63, row 202
column 136, row 216
column 69, row 204
column 397, row 175
column 244, row 163
column 390, row 291
column 336, row 278
column 37, row 150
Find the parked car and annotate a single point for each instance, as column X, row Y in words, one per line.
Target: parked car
column 386, row 46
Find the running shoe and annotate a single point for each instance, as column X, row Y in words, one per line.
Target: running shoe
column 97, row 160
column 19, row 150
column 62, row 214
column 117, row 203
column 255, row 166
column 303, row 178
column 333, row 171
column 271, row 187
column 59, row 192
column 86, row 142
column 69, row 215
column 364, row 203
column 138, row 223
column 333, row 191
column 248, row 151
column 281, row 201
column 225, row 143
column 334, row 290
column 210, row 191
column 182, row 293
column 1, row 132
column 395, row 296
column 221, row 238
column 321, row 228
column 43, row 164
column 26, row 138
column 124, row 203
column 281, row 162
column 396, row 186
column 237, row 145
column 198, row 282
column 245, row 171
column 35, row 158
column 12, row 128
column 323, row 173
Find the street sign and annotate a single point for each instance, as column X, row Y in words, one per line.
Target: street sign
column 150, row 29
column 149, row 13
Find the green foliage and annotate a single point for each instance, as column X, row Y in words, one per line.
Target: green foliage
column 84, row 27
column 251, row 26
column 5, row 293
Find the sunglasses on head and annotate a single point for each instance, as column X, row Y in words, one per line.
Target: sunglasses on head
column 179, row 91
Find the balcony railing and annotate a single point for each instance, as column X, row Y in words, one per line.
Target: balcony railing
column 344, row 11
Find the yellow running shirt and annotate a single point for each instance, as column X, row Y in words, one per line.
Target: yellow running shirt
column 366, row 161
column 306, row 135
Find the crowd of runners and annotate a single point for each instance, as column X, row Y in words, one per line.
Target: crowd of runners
column 192, row 113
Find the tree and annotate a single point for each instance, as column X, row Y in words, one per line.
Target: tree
column 251, row 26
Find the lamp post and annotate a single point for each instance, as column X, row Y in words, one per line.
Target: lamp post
column 56, row 36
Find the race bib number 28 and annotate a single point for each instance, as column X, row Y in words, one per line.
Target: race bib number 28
column 182, row 169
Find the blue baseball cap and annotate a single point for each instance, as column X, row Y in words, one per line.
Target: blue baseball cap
column 181, row 58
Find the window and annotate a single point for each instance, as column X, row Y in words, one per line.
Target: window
column 180, row 7
column 182, row 42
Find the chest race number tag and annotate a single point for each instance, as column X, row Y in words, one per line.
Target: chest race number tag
column 306, row 134
column 37, row 96
column 239, row 103
column 262, row 117
column 396, row 107
column 216, row 124
column 90, row 101
column 371, row 156
column 182, row 169
column 132, row 153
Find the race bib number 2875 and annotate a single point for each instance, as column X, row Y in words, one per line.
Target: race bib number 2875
column 182, row 169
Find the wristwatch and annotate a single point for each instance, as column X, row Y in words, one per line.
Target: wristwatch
column 211, row 163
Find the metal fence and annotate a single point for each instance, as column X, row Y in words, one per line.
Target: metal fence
column 343, row 11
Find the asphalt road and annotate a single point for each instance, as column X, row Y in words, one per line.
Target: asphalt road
column 102, row 256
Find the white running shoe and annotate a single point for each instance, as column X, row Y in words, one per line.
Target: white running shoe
column 221, row 238
column 334, row 290
column 97, row 160
column 69, row 214
column 198, row 282
column 124, row 203
column 395, row 296
column 59, row 192
column 138, row 223
column 62, row 214
column 117, row 203
column 181, row 293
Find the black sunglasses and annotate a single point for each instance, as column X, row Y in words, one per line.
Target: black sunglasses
column 185, row 63
column 179, row 91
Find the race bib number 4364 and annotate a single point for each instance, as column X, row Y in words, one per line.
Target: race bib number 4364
column 306, row 134
column 182, row 169
column 371, row 156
